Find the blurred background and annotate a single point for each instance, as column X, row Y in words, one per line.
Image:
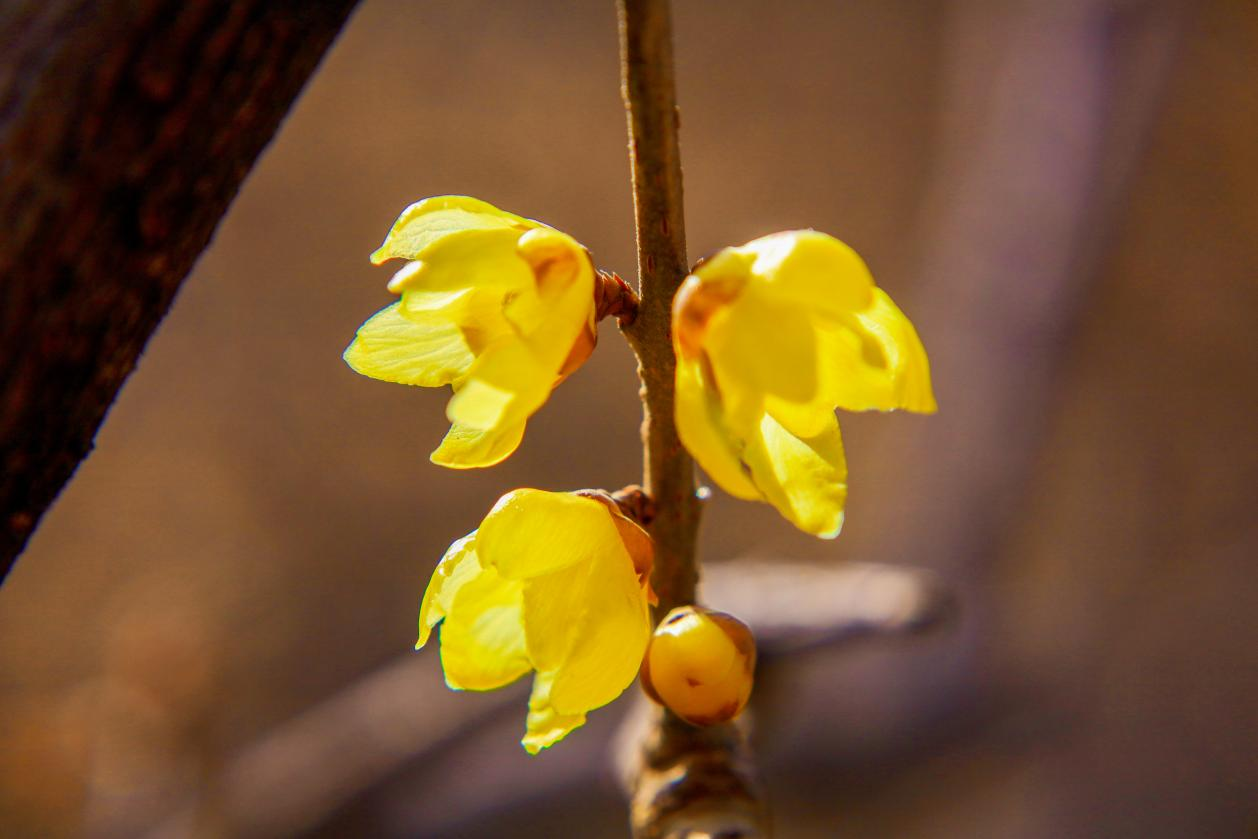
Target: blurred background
column 210, row 633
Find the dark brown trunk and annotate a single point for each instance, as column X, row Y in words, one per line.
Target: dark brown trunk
column 126, row 129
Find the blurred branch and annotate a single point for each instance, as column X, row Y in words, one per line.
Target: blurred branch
column 298, row 775
column 1045, row 113
column 307, row 769
column 797, row 607
column 125, row 130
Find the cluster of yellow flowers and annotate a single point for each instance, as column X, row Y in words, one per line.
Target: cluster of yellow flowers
column 769, row 337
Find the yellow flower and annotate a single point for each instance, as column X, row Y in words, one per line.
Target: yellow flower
column 497, row 306
column 770, row 338
column 553, row 582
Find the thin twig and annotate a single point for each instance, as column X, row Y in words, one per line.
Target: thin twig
column 687, row 782
column 668, row 475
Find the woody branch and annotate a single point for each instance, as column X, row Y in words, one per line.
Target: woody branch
column 685, row 781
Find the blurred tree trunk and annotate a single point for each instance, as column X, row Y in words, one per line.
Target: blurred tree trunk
column 126, row 128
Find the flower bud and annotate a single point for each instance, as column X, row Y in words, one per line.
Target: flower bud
column 700, row 664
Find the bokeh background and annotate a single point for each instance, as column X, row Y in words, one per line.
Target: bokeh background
column 210, row 633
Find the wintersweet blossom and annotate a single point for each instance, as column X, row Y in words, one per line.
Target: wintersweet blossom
column 770, row 338
column 498, row 306
column 552, row 582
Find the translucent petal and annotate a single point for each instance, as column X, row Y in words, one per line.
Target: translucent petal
column 545, row 726
column 812, row 269
column 456, row 568
column 505, row 385
column 482, row 636
column 427, row 222
column 476, row 259
column 727, row 268
column 873, row 359
column 760, row 345
column 611, row 630
column 530, row 532
column 422, row 302
column 558, row 262
column 804, row 478
column 569, row 309
column 472, row 448
column 428, row 351
column 806, row 419
column 701, row 428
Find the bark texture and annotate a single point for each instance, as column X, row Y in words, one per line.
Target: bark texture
column 686, row 781
column 126, row 128
column 655, row 154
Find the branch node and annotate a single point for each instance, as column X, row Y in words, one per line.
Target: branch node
column 635, row 503
column 613, row 297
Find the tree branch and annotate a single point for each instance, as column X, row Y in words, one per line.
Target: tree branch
column 668, row 475
column 125, row 131
column 688, row 781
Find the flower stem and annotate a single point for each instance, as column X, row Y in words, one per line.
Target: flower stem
column 684, row 780
column 668, row 473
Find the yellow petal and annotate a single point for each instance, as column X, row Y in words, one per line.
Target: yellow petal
column 557, row 261
column 609, row 631
column 429, row 221
column 700, row 427
column 804, row 478
column 759, row 346
column 456, row 568
column 812, row 269
column 876, row 361
column 482, row 632
column 806, row 419
column 428, row 351
column 482, row 259
column 473, row 448
column 531, row 532
column 482, row 636
column 727, row 270
column 568, row 312
column 545, row 726
column 476, row 312
column 506, row 385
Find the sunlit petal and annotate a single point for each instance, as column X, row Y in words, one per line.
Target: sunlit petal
column 530, row 533
column 456, row 568
column 482, row 636
column 427, row 222
column 611, row 634
column 759, row 344
column 429, row 351
column 469, row 448
column 545, row 725
column 876, row 361
column 812, row 270
column 804, row 478
column 700, row 426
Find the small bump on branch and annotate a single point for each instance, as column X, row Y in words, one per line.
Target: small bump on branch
column 635, row 503
column 614, row 298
